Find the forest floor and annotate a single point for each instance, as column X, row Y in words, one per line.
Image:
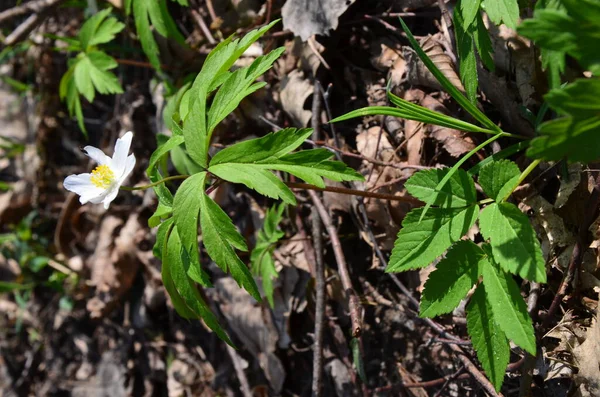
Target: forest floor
column 90, row 316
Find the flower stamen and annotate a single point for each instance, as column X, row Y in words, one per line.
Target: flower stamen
column 102, row 176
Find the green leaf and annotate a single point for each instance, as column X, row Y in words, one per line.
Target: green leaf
column 448, row 86
column 508, row 307
column 513, row 240
column 215, row 69
column 499, row 11
column 155, row 12
column 574, row 136
column 68, row 91
column 163, row 149
column 186, row 208
column 498, row 178
column 420, row 243
column 178, row 267
column 468, row 9
column 91, row 74
column 271, row 146
column 253, row 177
column 483, row 43
column 98, row 29
column 221, row 239
column 489, row 341
column 466, row 56
column 161, row 212
column 262, row 254
column 357, row 359
column 162, row 238
column 454, row 276
column 570, row 29
column 238, row 86
column 249, row 162
column 504, row 153
column 458, row 192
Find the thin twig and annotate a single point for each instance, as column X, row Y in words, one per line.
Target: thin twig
column 474, row 371
column 353, row 302
column 32, row 6
column 205, row 30
column 317, row 381
column 360, row 193
column 317, row 230
column 529, row 363
column 239, row 370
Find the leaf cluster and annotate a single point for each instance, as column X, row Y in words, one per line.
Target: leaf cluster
column 568, row 27
column 148, row 14
column 496, row 312
column 90, row 71
column 193, row 114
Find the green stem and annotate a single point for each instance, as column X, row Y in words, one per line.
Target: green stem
column 524, row 175
column 485, row 201
column 144, row 187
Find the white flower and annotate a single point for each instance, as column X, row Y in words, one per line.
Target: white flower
column 102, row 185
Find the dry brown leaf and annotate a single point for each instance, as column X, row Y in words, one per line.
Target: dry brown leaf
column 295, row 90
column 587, row 359
column 253, row 325
column 418, row 74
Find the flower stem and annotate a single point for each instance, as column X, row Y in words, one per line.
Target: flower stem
column 144, row 187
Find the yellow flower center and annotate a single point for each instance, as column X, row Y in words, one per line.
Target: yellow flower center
column 102, row 176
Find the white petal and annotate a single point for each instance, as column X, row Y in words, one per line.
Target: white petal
column 83, row 186
column 130, row 163
column 97, row 155
column 112, row 194
column 119, row 157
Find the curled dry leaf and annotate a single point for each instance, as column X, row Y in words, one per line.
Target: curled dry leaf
column 587, row 359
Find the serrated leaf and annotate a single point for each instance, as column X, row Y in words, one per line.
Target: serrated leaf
column 271, row 146
column 483, row 43
column 498, row 178
column 452, row 279
column 489, row 341
column 155, row 12
column 499, row 11
column 469, row 9
column 162, row 237
column 466, row 55
column 106, row 32
column 68, row 91
column 569, row 29
column 179, row 263
column 193, row 109
column 238, row 86
column 249, row 162
column 92, row 74
column 574, row 136
column 508, row 306
column 220, row 238
column 514, row 243
column 262, row 254
column 186, row 207
column 261, row 180
column 420, row 243
column 459, row 191
column 98, row 29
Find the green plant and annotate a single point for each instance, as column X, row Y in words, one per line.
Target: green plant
column 496, row 312
column 196, row 111
column 156, row 13
column 262, row 254
column 89, row 72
